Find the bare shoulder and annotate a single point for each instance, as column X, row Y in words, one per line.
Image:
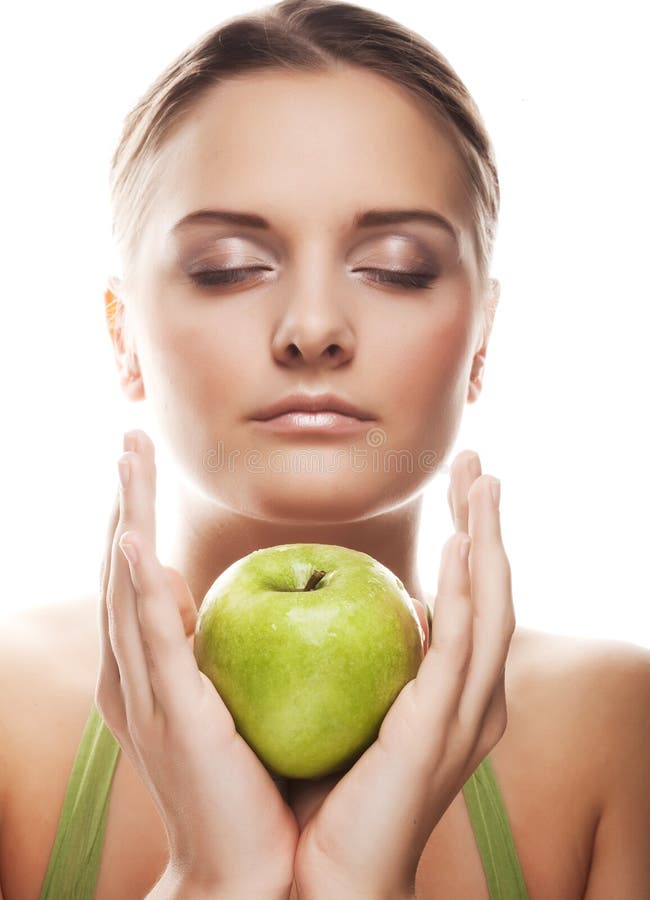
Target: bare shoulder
column 39, row 644
column 549, row 654
column 598, row 680
column 48, row 657
column 595, row 695
column 591, row 699
column 599, row 673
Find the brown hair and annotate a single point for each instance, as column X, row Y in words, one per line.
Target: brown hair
column 303, row 35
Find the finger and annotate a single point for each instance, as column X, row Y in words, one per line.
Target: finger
column 496, row 716
column 424, row 616
column 180, row 590
column 439, row 683
column 305, row 797
column 139, row 494
column 491, row 591
column 160, row 592
column 107, row 689
column 492, row 729
column 126, row 637
column 465, row 469
column 172, row 671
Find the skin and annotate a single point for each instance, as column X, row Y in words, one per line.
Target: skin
column 349, row 141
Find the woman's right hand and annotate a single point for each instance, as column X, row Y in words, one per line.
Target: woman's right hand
column 228, row 827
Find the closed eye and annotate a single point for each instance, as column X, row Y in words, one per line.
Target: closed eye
column 217, row 277
column 404, row 279
column 210, row 277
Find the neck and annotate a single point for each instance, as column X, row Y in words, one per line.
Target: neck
column 208, row 538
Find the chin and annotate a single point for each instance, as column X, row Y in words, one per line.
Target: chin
column 311, row 499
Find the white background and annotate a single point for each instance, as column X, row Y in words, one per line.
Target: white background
column 563, row 417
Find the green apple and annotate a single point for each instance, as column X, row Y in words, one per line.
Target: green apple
column 308, row 646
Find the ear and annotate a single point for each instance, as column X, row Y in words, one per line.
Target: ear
column 490, row 303
column 122, row 340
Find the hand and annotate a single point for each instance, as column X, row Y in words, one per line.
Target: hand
column 227, row 824
column 366, row 837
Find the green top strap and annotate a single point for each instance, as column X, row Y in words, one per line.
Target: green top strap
column 77, row 850
column 493, row 835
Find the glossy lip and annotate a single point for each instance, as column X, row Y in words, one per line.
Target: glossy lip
column 311, row 403
column 319, row 422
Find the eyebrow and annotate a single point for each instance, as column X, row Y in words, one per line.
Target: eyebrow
column 367, row 219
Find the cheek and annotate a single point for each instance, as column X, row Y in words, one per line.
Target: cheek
column 431, row 369
column 201, row 365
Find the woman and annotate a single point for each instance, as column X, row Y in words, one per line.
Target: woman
column 251, row 193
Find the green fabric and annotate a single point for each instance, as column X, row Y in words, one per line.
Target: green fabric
column 493, row 835
column 77, row 850
column 76, row 853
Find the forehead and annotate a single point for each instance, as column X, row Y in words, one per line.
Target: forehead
column 306, row 149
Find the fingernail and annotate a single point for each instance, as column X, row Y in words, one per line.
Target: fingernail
column 123, row 469
column 130, row 442
column 495, row 487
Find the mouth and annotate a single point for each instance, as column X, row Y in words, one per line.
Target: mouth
column 310, row 406
column 321, row 422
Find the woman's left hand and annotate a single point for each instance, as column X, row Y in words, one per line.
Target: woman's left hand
column 362, row 834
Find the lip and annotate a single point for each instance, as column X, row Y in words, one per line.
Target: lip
column 312, row 403
column 318, row 422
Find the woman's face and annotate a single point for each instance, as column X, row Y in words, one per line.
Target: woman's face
column 308, row 153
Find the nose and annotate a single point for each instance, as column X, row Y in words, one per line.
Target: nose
column 313, row 331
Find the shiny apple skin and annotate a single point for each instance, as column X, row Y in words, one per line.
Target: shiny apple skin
column 308, row 676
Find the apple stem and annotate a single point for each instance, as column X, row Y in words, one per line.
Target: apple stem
column 314, row 578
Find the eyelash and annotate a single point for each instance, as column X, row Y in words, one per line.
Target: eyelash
column 224, row 277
